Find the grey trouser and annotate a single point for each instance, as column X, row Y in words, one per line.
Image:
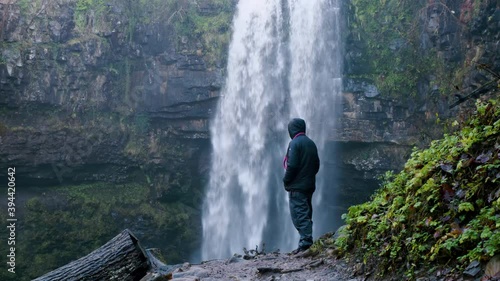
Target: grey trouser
column 301, row 212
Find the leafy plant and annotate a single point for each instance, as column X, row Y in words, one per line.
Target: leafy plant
column 442, row 207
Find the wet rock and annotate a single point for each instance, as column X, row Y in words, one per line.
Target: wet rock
column 473, row 269
column 55, row 29
column 235, row 259
column 12, row 58
column 493, row 268
column 191, row 272
column 358, row 269
column 364, row 86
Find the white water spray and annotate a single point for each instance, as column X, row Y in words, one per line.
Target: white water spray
column 284, row 61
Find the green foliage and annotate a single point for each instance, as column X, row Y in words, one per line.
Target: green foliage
column 141, row 124
column 89, row 8
column 213, row 30
column 84, row 5
column 390, row 33
column 145, row 12
column 151, row 11
column 443, row 207
column 210, row 28
column 68, row 222
column 24, row 5
column 3, row 129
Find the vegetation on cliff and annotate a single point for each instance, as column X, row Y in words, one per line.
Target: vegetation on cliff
column 211, row 29
column 206, row 24
column 405, row 44
column 387, row 32
column 443, row 208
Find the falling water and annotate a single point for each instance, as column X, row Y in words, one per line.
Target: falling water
column 284, row 61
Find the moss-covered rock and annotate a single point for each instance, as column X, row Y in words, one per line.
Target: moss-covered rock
column 443, row 208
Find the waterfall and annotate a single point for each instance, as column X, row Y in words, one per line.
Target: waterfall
column 284, row 61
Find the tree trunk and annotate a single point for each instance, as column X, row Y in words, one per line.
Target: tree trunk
column 121, row 258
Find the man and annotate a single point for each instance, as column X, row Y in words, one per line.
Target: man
column 301, row 165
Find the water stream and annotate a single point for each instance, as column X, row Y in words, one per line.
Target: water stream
column 284, row 61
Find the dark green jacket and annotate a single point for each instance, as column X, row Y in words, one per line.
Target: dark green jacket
column 301, row 160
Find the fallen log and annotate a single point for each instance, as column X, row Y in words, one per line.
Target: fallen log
column 121, row 258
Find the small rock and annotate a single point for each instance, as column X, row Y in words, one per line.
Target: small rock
column 235, row 259
column 473, row 269
column 186, row 266
column 493, row 267
column 472, row 272
column 359, row 268
column 193, row 272
column 442, row 272
column 316, row 263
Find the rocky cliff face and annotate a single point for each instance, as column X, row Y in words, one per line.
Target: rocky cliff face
column 382, row 121
column 104, row 108
column 65, row 82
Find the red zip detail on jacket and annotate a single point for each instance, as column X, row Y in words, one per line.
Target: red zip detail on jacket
column 286, row 155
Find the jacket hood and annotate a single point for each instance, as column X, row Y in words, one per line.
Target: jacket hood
column 296, row 126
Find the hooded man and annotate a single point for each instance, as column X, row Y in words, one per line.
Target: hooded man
column 301, row 165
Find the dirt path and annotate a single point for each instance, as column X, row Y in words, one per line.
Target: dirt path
column 264, row 267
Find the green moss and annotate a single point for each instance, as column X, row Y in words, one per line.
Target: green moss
column 24, row 5
column 3, row 129
column 68, row 222
column 138, row 145
column 390, row 33
column 441, row 209
column 89, row 8
column 135, row 147
column 104, row 193
column 212, row 30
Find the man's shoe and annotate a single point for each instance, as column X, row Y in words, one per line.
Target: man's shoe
column 300, row 249
column 296, row 251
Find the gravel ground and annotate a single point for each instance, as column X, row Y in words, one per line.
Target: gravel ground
column 300, row 267
column 272, row 266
